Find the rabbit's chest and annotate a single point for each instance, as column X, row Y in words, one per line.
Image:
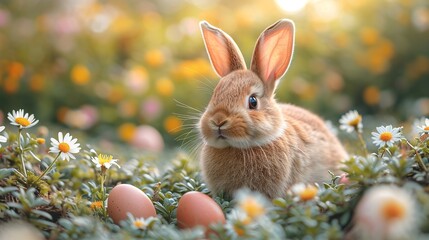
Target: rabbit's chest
column 253, row 168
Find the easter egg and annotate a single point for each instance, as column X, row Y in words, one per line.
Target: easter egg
column 125, row 198
column 148, row 138
column 198, row 209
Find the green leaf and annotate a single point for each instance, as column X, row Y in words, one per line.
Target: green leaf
column 6, row 172
column 42, row 213
column 15, row 205
column 44, row 223
column 6, row 190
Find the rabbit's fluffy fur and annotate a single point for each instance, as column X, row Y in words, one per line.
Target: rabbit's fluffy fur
column 267, row 146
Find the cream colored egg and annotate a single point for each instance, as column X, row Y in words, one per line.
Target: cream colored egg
column 126, row 198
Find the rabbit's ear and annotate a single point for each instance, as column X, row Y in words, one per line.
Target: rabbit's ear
column 223, row 51
column 273, row 52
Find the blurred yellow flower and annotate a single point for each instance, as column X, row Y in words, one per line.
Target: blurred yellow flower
column 116, row 94
column 371, row 95
column 122, row 24
column 309, row 193
column 173, row 124
column 40, row 141
column 92, row 9
column 305, row 39
column 16, row 70
column 252, row 207
column 37, row 83
column 61, row 114
column 165, row 87
column 127, row 108
column 385, row 48
column 376, row 58
column 309, row 92
column 369, row 36
column 80, row 74
column 353, row 4
column 11, row 85
column 422, row 64
column 342, row 40
column 96, row 205
column 406, row 2
column 238, row 221
column 126, row 131
column 194, row 69
column 334, row 81
column 151, row 19
column 376, row 63
column 239, row 230
column 418, row 67
column 154, row 58
column 243, row 18
column 304, row 192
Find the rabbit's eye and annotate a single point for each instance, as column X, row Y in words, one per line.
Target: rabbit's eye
column 253, row 102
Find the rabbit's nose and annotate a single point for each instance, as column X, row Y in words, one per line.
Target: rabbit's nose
column 219, row 123
column 218, row 120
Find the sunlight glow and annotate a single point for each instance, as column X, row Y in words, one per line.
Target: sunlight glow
column 292, row 5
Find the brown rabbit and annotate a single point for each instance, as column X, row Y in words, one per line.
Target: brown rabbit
column 250, row 140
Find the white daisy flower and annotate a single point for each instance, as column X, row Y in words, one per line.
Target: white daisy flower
column 386, row 136
column 253, row 204
column 351, row 121
column 105, row 161
column 304, row 192
column 3, row 139
column 21, row 119
column 66, row 146
column 386, row 212
column 142, row 223
column 424, row 129
column 238, row 223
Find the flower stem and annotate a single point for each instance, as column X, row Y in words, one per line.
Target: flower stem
column 362, row 142
column 49, row 168
column 384, row 151
column 18, row 173
column 420, row 162
column 419, row 159
column 21, row 153
column 103, row 194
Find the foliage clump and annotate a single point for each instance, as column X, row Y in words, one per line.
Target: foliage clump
column 380, row 195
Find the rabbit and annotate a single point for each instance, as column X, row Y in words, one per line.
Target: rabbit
column 248, row 139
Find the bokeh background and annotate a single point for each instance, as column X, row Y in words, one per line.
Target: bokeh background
column 112, row 68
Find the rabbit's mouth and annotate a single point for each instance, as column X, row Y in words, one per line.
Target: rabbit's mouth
column 220, row 134
column 221, row 137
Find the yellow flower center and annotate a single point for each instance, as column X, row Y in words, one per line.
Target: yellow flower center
column 355, row 122
column 139, row 224
column 308, row 193
column 22, row 121
column 40, row 141
column 246, row 221
column 64, row 147
column 102, row 159
column 252, row 207
column 239, row 230
column 393, row 210
column 426, row 128
column 97, row 204
column 386, row 136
